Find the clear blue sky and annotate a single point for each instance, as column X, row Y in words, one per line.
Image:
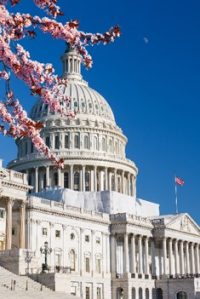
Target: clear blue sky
column 151, row 79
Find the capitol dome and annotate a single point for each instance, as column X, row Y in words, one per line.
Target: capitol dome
column 91, row 144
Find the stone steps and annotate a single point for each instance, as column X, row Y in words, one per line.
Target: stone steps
column 25, row 287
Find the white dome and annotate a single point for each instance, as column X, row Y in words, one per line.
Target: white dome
column 84, row 100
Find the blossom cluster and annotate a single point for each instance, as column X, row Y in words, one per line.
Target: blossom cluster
column 39, row 77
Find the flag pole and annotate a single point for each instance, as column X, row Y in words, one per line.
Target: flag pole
column 176, row 198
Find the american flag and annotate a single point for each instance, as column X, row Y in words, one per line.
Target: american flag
column 179, row 181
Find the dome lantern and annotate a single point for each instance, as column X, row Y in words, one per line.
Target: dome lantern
column 71, row 61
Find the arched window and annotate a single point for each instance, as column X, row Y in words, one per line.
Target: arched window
column 96, row 144
column 110, row 146
column 44, row 181
column 104, row 144
column 87, row 181
column 66, row 180
column 140, row 293
column 146, row 293
column 55, row 177
column 181, row 295
column 72, row 258
column 159, row 293
column 76, row 141
column 76, row 181
column 57, row 142
column 120, row 293
column 133, row 293
column 67, row 141
column 118, row 184
column 47, row 141
column 86, row 142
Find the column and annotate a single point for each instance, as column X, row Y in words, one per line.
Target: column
column 64, row 251
column 140, row 270
column 81, row 261
column 182, row 258
column 126, row 257
column 153, row 257
column 93, row 252
column 22, row 225
column 108, row 270
column 113, row 254
column 95, row 178
column 197, row 259
column 176, row 258
column 192, row 259
column 170, row 257
column 47, row 177
column 115, row 179
column 187, row 258
column 133, row 268
column 101, row 180
column 106, row 179
column 146, row 244
column 164, row 255
column 83, row 178
column 110, row 180
column 122, row 182
column 36, row 179
column 71, row 175
column 9, row 203
column 128, row 183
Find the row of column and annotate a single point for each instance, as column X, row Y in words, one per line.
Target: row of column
column 142, row 255
column 137, row 250
column 184, row 255
column 98, row 179
column 9, row 204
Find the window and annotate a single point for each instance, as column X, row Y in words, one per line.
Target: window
column 44, row 180
column 57, row 260
column 57, row 233
column 96, row 145
column 87, row 181
column 76, row 181
column 76, row 141
column 72, row 260
column 48, row 141
column 113, row 183
column 86, row 142
column 72, row 236
column 32, row 148
column 1, row 214
column 87, row 264
column 44, row 231
column 13, row 231
column 55, row 176
column 87, row 238
column 26, row 148
column 98, row 293
column 98, row 240
column 66, row 180
column 57, row 142
column 98, row 265
column 181, row 295
column 67, row 141
column 103, row 144
column 87, row 293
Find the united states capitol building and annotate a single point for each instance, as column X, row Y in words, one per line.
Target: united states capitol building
column 103, row 241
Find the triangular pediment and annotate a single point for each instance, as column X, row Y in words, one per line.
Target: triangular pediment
column 185, row 223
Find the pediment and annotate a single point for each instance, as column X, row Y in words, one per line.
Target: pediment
column 184, row 223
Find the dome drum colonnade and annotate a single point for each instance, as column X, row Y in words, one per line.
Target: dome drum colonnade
column 91, row 144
